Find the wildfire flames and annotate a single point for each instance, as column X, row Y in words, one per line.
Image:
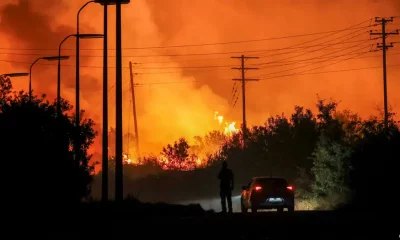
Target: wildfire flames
column 127, row 160
column 193, row 160
column 230, row 128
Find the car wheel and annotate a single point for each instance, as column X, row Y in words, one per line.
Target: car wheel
column 291, row 209
column 280, row 209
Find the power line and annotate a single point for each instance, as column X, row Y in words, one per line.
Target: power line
column 315, row 50
column 213, row 53
column 216, row 43
column 315, row 62
column 152, row 68
column 319, row 57
column 281, row 76
column 314, row 58
column 357, row 50
column 309, row 63
column 261, row 50
column 244, row 51
column 306, row 48
column 243, row 41
column 349, row 28
column 239, row 90
column 301, row 73
column 332, row 71
column 175, row 72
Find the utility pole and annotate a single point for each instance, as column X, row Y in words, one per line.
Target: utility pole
column 104, row 167
column 119, row 182
column 384, row 47
column 244, row 80
column 134, row 111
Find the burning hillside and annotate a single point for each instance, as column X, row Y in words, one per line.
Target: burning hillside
column 183, row 156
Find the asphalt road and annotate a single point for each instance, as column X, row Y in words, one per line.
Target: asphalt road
column 215, row 203
column 263, row 225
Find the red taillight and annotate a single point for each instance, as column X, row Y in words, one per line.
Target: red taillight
column 258, row 188
column 289, row 188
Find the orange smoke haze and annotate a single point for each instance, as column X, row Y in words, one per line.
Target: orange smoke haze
column 176, row 100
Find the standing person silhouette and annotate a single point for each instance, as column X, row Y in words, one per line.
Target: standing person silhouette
column 226, row 186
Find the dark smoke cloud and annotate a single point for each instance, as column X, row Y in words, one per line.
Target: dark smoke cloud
column 32, row 28
column 30, row 25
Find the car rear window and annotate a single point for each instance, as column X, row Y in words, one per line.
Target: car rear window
column 272, row 182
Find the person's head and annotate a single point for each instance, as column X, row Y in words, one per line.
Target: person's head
column 224, row 164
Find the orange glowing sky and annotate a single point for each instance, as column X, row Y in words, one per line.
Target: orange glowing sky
column 175, row 100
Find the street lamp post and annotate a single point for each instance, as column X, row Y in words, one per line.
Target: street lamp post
column 119, row 194
column 77, row 83
column 77, row 107
column 51, row 58
column 104, row 160
column 82, row 36
column 104, row 195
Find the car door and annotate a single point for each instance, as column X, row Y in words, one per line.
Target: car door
column 250, row 190
column 246, row 194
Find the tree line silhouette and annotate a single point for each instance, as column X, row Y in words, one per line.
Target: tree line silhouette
column 332, row 156
column 39, row 167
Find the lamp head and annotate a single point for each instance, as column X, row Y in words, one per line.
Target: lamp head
column 90, row 35
column 112, row 2
column 22, row 74
column 55, row 58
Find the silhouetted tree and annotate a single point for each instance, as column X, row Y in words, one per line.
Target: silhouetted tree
column 328, row 125
column 305, row 135
column 5, row 90
column 351, row 125
column 331, row 168
column 37, row 153
column 177, row 156
column 375, row 164
column 280, row 147
column 209, row 144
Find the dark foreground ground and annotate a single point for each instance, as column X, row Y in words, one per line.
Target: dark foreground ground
column 161, row 221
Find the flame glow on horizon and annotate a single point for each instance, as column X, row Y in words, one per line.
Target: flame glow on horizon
column 194, row 161
column 173, row 99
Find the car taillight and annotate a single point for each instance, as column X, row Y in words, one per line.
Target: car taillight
column 289, row 188
column 258, row 188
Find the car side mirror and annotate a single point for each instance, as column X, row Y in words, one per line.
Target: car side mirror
column 244, row 187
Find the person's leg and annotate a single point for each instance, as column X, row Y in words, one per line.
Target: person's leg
column 229, row 198
column 223, row 203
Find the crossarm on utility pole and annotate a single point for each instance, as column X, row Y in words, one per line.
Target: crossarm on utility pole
column 236, row 68
column 243, row 80
column 384, row 47
column 246, row 57
column 247, row 79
